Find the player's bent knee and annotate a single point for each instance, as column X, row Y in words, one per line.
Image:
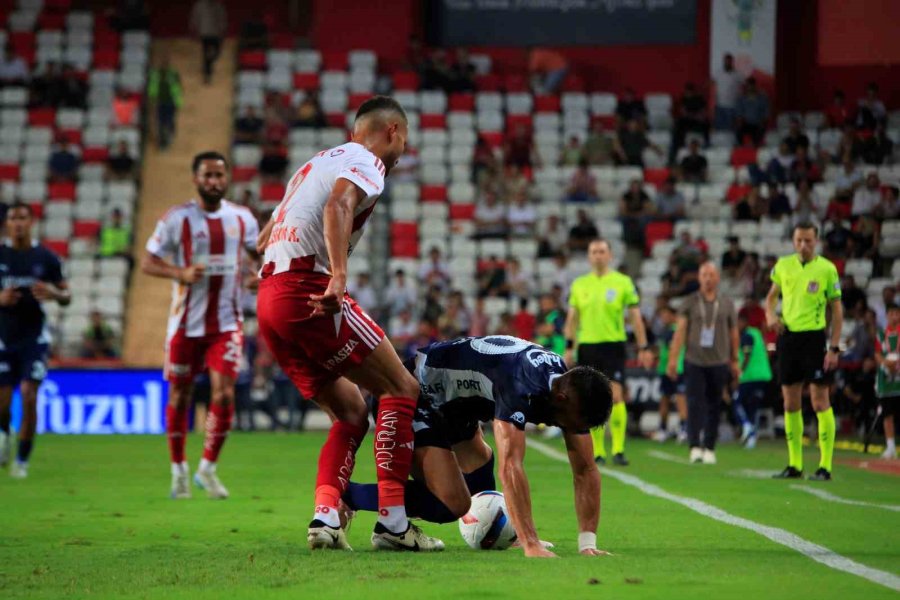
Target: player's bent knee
column 459, row 504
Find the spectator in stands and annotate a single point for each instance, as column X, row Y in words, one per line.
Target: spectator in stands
column 248, row 201
column 98, row 341
column 455, row 321
column 406, row 169
column 848, row 179
column 866, row 237
column 115, row 237
column 635, row 210
column 209, row 22
column 248, row 128
column 276, row 119
column 889, row 207
column 424, row 337
column 692, row 117
column 852, row 297
column 13, row 68
column 778, row 168
column 670, row 203
column 436, row 74
column 583, row 185
column 523, row 322
column 484, row 161
column 693, row 167
column 751, row 207
column 861, row 341
column 273, row 163
column 582, row 233
column 599, row 148
column 689, row 253
column 752, row 112
column 888, row 298
column 518, row 283
column 630, row 143
column 804, row 167
column 309, row 112
column 563, row 276
column 807, row 205
column 837, row 237
column 870, row 110
column 164, row 89
column 125, row 108
column 492, row 278
column 868, row 197
column 572, row 153
column 839, row 206
column 850, row 145
column 45, row 89
column 130, row 15
column 434, row 305
column 490, row 218
column 434, row 271
column 480, row 321
column 728, row 89
column 72, row 88
column 415, row 54
column 838, row 113
column 779, row 203
column 754, row 281
column 120, row 165
column 513, row 183
column 630, row 108
column 733, row 258
column 521, row 216
column 549, row 328
column 795, row 137
column 552, row 236
column 64, row 160
column 753, row 313
column 547, row 69
column 462, row 73
column 504, row 324
column 400, row 294
column 402, row 329
column 878, row 147
column 519, row 149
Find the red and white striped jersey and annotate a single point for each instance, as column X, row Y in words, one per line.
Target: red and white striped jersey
column 297, row 241
column 190, row 235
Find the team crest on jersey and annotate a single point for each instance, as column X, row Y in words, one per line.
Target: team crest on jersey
column 610, row 295
column 812, row 287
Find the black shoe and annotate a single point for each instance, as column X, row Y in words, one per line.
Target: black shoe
column 789, row 473
column 620, row 460
column 600, row 460
column 821, row 474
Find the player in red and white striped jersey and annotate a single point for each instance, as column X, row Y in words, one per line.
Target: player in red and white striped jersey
column 206, row 240
column 324, row 341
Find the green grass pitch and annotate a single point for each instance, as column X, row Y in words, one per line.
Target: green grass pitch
column 94, row 520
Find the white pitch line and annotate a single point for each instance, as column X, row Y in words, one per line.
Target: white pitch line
column 832, row 498
column 818, row 553
column 669, row 457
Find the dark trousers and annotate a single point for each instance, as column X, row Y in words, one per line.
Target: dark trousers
column 165, row 120
column 704, row 395
column 211, row 48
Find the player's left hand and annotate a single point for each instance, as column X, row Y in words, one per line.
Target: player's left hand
column 831, row 361
column 595, row 552
column 44, row 291
column 330, row 302
column 735, row 370
column 645, row 358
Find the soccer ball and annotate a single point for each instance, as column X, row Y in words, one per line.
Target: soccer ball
column 487, row 525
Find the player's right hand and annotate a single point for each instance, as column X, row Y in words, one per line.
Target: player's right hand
column 330, row 302
column 10, row 297
column 192, row 274
column 671, row 369
column 773, row 322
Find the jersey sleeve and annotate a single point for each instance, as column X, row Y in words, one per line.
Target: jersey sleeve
column 573, row 295
column 366, row 171
column 746, row 342
column 833, row 284
column 775, row 275
column 54, row 269
column 251, row 231
column 631, row 294
column 163, row 242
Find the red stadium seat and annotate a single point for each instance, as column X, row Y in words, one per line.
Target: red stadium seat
column 404, row 248
column 515, row 83
column 432, row 122
column 252, row 59
column 306, row 81
column 406, row 81
column 463, row 212
column 573, row 83
column 107, row 39
column 656, row 176
column 62, row 6
column 433, row 193
column 487, row 83
column 545, row 103
column 42, row 117
column 58, row 247
column 656, row 231
column 243, row 174
column 334, row 61
column 106, row 58
column 37, row 210
column 51, row 21
column 95, row 154
column 513, row 121
column 606, row 121
column 404, row 230
column 494, row 139
column 737, row 191
column 462, row 102
column 356, row 100
column 73, row 136
column 86, row 229
column 9, row 172
column 61, row 190
column 271, row 191
column 337, row 119
column 743, row 155
column 282, row 41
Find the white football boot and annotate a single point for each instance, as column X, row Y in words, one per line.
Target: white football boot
column 709, row 457
column 206, row 479
column 181, row 482
column 411, row 540
column 696, row 455
column 19, row 470
column 320, row 536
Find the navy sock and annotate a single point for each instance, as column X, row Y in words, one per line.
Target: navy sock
column 362, row 496
column 482, row 478
column 739, row 412
column 5, row 417
column 24, row 450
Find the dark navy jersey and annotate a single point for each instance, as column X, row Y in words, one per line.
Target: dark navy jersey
column 21, row 269
column 493, row 377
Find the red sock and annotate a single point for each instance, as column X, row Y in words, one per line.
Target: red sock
column 393, row 448
column 336, row 462
column 176, row 431
column 218, row 424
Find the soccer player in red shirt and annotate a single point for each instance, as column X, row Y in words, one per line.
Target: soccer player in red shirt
column 206, row 240
column 324, row 341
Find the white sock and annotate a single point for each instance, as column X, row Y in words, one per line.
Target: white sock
column 890, row 445
column 393, row 518
column 328, row 515
column 177, row 468
column 206, row 465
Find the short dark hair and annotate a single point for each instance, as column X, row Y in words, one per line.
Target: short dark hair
column 376, row 103
column 600, row 240
column 19, row 204
column 894, row 306
column 592, row 391
column 208, row 155
column 805, row 225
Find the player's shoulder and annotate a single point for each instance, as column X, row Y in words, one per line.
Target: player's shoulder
column 827, row 265
column 621, row 278
column 178, row 211
column 583, row 280
column 238, row 209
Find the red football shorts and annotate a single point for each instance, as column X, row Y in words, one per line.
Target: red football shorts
column 187, row 357
column 312, row 351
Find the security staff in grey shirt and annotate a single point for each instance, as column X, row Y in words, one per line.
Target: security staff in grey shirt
column 707, row 324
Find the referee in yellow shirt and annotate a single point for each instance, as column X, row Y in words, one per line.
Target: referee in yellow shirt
column 807, row 284
column 595, row 326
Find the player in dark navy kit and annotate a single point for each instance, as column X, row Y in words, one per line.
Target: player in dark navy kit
column 513, row 382
column 29, row 275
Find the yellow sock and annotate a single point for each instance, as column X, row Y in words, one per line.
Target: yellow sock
column 618, row 420
column 597, row 435
column 826, row 437
column 793, row 431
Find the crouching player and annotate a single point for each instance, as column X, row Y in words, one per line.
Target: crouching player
column 513, row 382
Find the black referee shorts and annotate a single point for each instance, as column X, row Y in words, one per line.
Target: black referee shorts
column 608, row 358
column 801, row 355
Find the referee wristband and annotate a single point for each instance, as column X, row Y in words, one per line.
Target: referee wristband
column 570, row 344
column 587, row 540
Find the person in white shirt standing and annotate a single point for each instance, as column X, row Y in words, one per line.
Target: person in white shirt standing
column 205, row 240
column 728, row 89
